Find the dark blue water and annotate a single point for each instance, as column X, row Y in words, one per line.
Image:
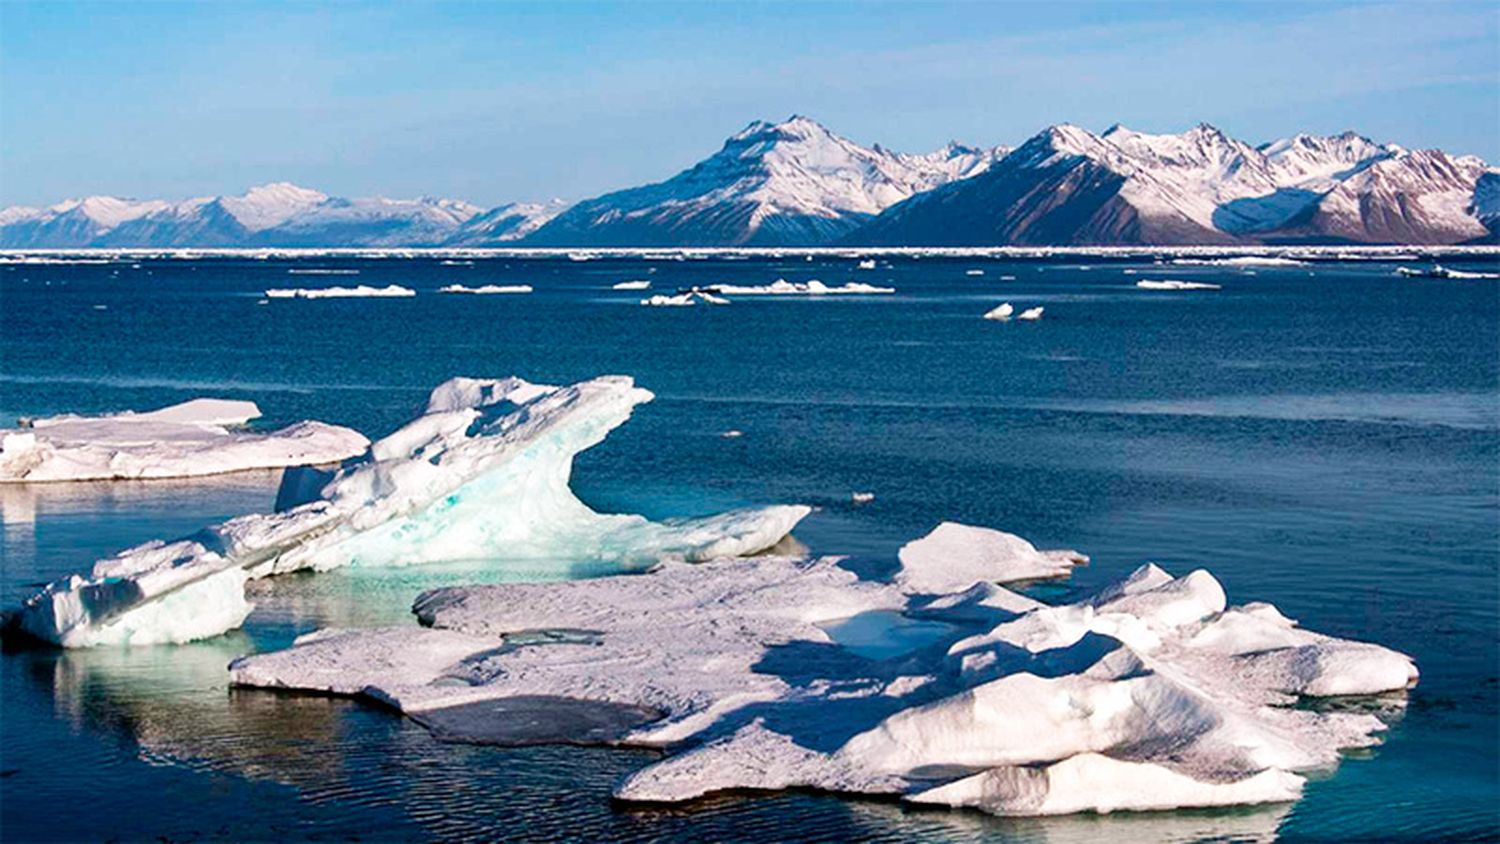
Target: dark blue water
column 1326, row 438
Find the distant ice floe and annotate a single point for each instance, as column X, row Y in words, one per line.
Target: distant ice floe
column 487, row 289
column 633, row 285
column 320, row 271
column 1151, row 694
column 1001, row 312
column 814, row 287
column 1440, row 271
column 867, row 264
column 195, row 438
column 360, row 292
column 1031, row 313
column 690, row 297
column 1174, row 284
column 732, row 433
column 1241, row 261
column 482, row 473
column 862, row 497
column 974, row 272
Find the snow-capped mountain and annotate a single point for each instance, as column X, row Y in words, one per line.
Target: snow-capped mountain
column 797, row 183
column 1068, row 186
column 793, row 182
column 506, row 223
column 278, row 214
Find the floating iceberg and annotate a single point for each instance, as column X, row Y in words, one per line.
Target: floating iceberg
column 814, row 287
column 185, row 440
column 321, row 271
column 1031, row 313
column 1174, row 284
column 1151, row 694
column 690, row 297
column 1000, row 313
column 487, row 289
column 868, row 264
column 633, row 285
column 360, row 292
column 481, row 474
column 974, row 272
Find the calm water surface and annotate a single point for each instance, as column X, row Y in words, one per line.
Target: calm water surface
column 1326, row 438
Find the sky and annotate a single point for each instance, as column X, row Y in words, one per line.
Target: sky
column 499, row 102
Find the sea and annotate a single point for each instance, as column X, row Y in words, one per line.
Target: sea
column 1322, row 435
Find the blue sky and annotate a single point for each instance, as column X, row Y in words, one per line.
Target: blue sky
column 498, row 102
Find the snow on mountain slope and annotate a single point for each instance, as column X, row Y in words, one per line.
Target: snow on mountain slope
column 1067, row 186
column 793, row 182
column 797, row 183
column 506, row 223
column 278, row 214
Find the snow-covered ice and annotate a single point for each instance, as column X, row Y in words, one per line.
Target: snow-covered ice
column 974, row 272
column 868, row 264
column 486, row 289
column 360, row 292
column 1175, row 284
column 1241, row 261
column 1031, row 313
column 813, row 287
column 1151, row 694
column 680, row 300
column 633, row 285
column 198, row 437
column 1000, row 312
column 482, row 474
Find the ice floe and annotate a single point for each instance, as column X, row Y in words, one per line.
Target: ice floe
column 1440, row 271
column 481, row 474
column 1031, row 313
column 360, row 292
column 321, row 271
column 198, row 437
column 684, row 299
column 868, row 264
column 1151, row 694
column 486, row 289
column 1001, row 312
column 1175, row 284
column 974, row 272
column 814, row 287
column 633, row 285
column 1242, row 261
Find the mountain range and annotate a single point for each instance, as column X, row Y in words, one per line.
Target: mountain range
column 796, row 183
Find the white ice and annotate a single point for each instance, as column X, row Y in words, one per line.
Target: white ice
column 481, row 474
column 680, row 300
column 1175, row 284
column 360, row 292
column 486, row 289
column 1001, row 312
column 1151, row 694
column 198, row 437
column 814, row 287
column 633, row 285
column 1031, row 313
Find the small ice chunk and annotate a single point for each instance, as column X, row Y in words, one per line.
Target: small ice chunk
column 1031, row 313
column 867, row 264
column 862, row 497
column 732, row 433
column 955, row 556
column 644, row 284
column 1000, row 313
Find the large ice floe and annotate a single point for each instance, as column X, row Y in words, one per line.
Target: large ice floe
column 482, row 473
column 937, row 685
column 198, row 437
